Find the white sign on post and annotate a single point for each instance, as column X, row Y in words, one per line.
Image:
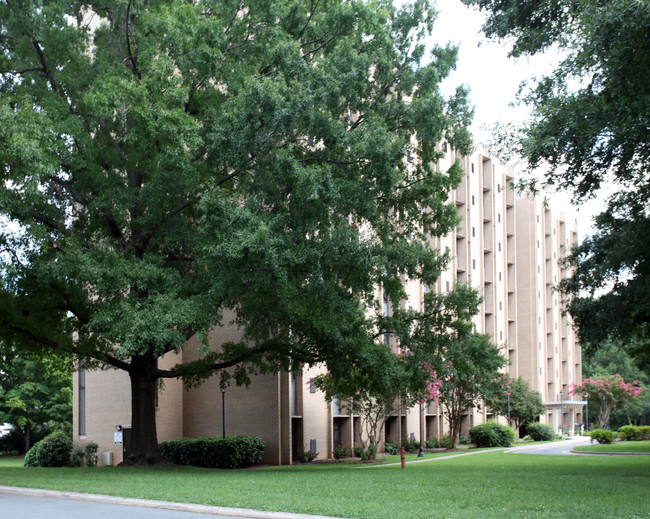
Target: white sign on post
column 117, row 438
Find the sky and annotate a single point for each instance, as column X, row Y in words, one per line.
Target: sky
column 494, row 80
column 483, row 65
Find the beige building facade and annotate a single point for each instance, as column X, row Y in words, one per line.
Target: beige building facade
column 507, row 247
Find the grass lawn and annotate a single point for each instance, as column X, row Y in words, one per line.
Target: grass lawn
column 642, row 446
column 484, row 485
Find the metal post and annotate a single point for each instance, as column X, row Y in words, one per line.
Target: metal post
column 509, row 424
column 587, row 412
column 421, row 451
column 604, row 415
column 562, row 408
column 223, row 407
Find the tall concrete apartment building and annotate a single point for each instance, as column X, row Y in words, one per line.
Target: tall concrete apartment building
column 506, row 247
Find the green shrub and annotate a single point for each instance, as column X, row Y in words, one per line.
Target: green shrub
column 52, row 451
column 305, row 456
column 431, row 444
column 492, row 434
column 340, row 452
column 602, row 436
column 357, row 451
column 32, row 456
column 540, row 432
column 391, row 448
column 223, row 453
column 410, row 445
column 369, row 453
column 90, row 454
column 84, row 455
column 447, row 442
column 634, row 432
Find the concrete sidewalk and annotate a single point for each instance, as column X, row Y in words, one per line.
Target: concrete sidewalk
column 567, row 445
column 569, row 442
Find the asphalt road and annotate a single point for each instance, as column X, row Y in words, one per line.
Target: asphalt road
column 46, row 504
column 31, row 507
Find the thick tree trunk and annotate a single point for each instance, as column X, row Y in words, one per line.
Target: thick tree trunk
column 143, row 447
column 455, row 431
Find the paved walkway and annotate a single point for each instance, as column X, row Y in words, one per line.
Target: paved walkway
column 559, row 448
column 564, row 448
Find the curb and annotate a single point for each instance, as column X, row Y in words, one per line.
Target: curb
column 596, row 453
column 162, row 505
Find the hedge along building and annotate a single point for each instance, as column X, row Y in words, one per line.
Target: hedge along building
column 508, row 248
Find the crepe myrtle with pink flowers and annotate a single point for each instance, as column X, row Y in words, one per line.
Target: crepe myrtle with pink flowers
column 609, row 393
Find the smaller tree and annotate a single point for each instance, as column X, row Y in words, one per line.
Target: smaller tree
column 608, row 359
column 525, row 404
column 607, row 393
column 466, row 362
column 373, row 395
column 34, row 391
column 471, row 376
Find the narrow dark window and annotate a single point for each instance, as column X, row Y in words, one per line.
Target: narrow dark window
column 82, row 401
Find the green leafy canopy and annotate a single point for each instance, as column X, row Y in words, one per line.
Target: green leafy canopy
column 170, row 167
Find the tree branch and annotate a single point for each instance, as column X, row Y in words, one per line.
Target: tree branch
column 68, row 304
column 209, row 368
column 40, row 217
column 232, row 20
column 46, row 69
column 42, row 340
column 324, row 44
column 24, row 71
column 110, row 360
column 132, row 58
column 312, row 8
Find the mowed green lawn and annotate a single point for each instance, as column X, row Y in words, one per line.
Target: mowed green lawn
column 484, row 485
column 641, row 446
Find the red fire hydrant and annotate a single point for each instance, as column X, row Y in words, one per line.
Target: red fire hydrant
column 402, row 456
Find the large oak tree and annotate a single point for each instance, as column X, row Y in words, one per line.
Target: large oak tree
column 165, row 164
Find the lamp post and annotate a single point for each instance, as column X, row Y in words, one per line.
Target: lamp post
column 421, row 451
column 604, row 415
column 223, row 407
column 509, row 424
column 562, row 408
column 587, row 411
